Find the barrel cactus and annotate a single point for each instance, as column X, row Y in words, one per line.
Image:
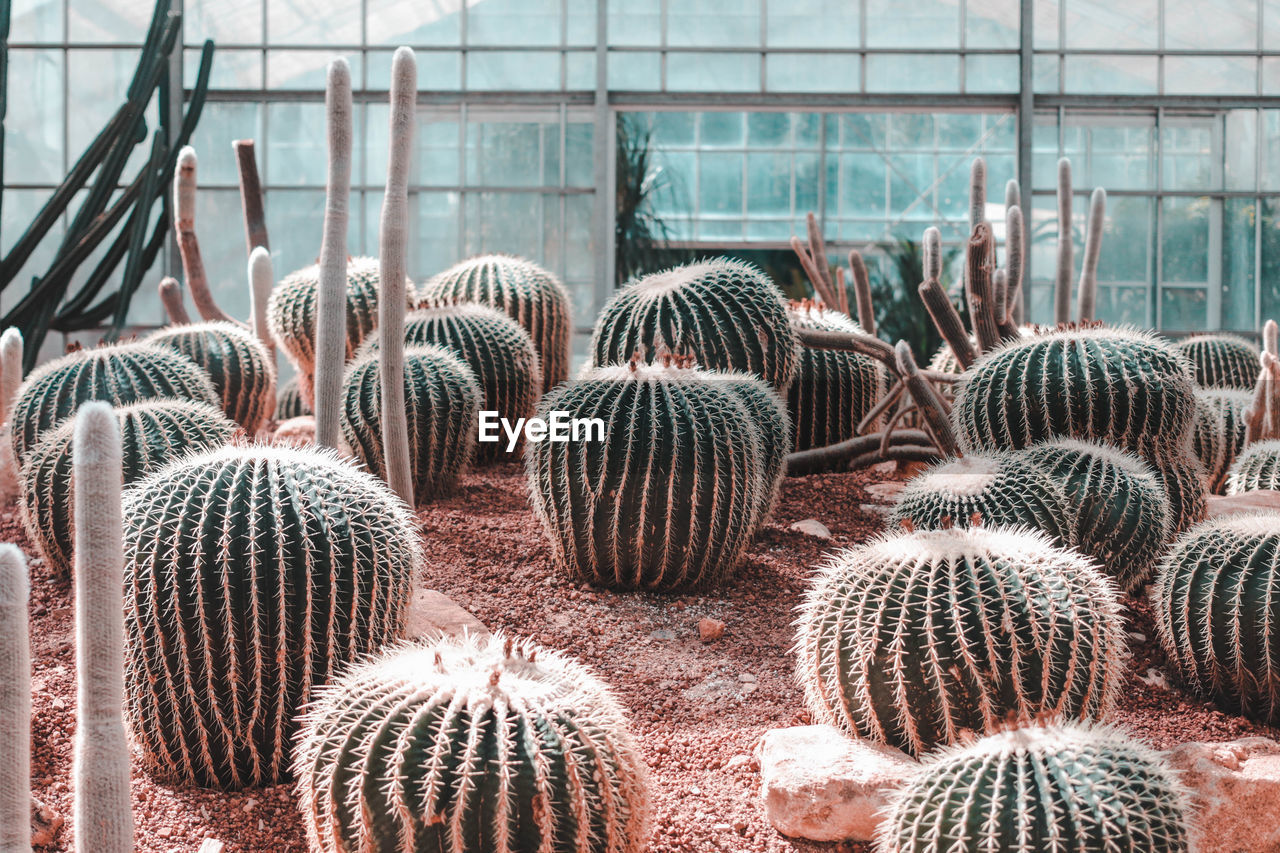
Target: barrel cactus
column 478, row 745
column 118, row 374
column 768, row 413
column 1222, row 361
column 242, row 371
column 988, row 490
column 1257, row 467
column 726, row 314
column 289, row 402
column 1119, row 505
column 1186, row 485
column 1219, row 432
column 525, row 292
column 897, row 642
column 1217, row 612
column 668, row 500
column 441, row 401
column 832, row 391
column 252, row 574
column 1086, row 788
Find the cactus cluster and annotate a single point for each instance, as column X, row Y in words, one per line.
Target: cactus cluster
column 1186, row 486
column 1217, row 604
column 1222, row 361
column 912, row 639
column 832, row 390
column 1219, row 432
column 289, row 402
column 726, row 314
column 1257, row 467
column 252, row 575
column 242, row 371
column 526, row 292
column 478, row 745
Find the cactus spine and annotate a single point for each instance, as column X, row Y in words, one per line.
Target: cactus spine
column 833, row 390
column 479, row 745
column 15, row 702
column 103, row 814
column 331, row 353
column 243, row 374
column 289, row 402
column 897, row 642
column 1222, row 361
column 1186, row 486
column 1257, row 467
column 1219, row 432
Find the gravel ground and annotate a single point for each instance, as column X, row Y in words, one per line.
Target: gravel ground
column 698, row 708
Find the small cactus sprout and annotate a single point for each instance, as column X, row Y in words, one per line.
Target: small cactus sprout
column 289, row 402
column 152, row 434
column 1187, row 487
column 252, row 574
column 832, row 390
column 243, row 373
column 1119, row 505
column 989, row 491
column 441, row 401
column 727, row 314
column 1257, row 467
column 1217, row 604
column 527, row 293
column 1087, row 788
column 471, row 745
column 118, row 374
column 1222, row 361
column 897, row 642
column 1110, row 385
column 15, row 701
column 669, row 498
column 1220, row 432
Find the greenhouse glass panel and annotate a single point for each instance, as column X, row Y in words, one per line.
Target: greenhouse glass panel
column 791, row 24
column 33, row 144
column 714, row 23
column 396, row 22
column 510, row 23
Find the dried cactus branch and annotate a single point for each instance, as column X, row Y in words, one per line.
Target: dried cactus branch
column 977, row 193
column 1262, row 418
column 255, row 218
column 947, row 321
column 862, row 292
column 184, row 224
column 865, row 344
column 978, row 288
column 175, row 306
column 824, row 458
column 1015, row 248
column 815, row 268
column 926, row 400
column 1088, row 287
column 931, row 247
column 1066, row 263
column 888, row 400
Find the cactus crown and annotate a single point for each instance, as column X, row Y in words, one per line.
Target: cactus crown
column 1222, row 360
column 243, row 373
column 1257, row 467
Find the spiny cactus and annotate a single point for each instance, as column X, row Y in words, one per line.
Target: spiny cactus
column 289, row 402
column 897, row 640
column 1121, row 512
column 240, row 367
column 1218, row 611
column 1219, row 432
column 441, row 401
column 1087, row 788
column 152, row 434
column 1222, row 361
column 994, row 490
column 1257, row 467
column 478, row 745
column 15, row 701
column 1109, row 385
column 832, row 390
column 726, row 314
column 768, row 412
column 118, row 374
column 668, row 500
column 252, row 575
column 1186, row 486
column 529, row 294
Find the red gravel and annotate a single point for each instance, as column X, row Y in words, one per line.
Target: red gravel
column 698, row 708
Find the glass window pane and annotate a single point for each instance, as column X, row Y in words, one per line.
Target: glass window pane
column 908, row 72
column 1238, row 282
column 33, row 148
column 674, row 128
column 224, row 21
column 768, row 130
column 713, row 72
column 1188, row 156
column 514, row 22
column 1124, row 305
column 808, row 72
column 231, row 69
column 1185, row 241
column 1126, row 240
column 300, row 214
column 98, row 81
column 1045, row 32
column 222, row 246
column 580, row 71
column 991, row 73
column 516, row 154
column 635, row 71
column 437, row 230
column 769, row 185
column 1184, row 309
column 108, row 21
column 862, row 186
column 722, row 130
column 438, row 70
column 1046, row 79
column 635, row 22
column 1270, row 251
column 513, row 70
column 221, row 124
column 1120, row 154
column 992, row 23
column 35, row 21
column 581, row 27
column 1270, row 24
column 436, row 141
column 506, row 222
column 296, row 147
column 720, row 184
column 1103, row 25
column 1210, row 75
column 579, row 164
column 313, row 22
column 1197, row 25
column 1240, row 156
column 397, row 22
column 306, row 69
column 713, row 23
column 20, row 207
column 1116, row 75
column 790, row 24
column 891, row 23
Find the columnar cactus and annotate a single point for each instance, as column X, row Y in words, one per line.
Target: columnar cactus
column 242, row 371
column 118, row 374
column 152, row 434
column 529, row 294
column 1217, row 602
column 289, row 402
column 1219, row 432
column 1041, row 787
column 1222, row 361
column 441, row 401
column 726, row 314
column 832, row 390
column 252, row 575
column 15, row 701
column 1121, row 511
column 478, row 745
column 990, row 491
column 1186, row 486
column 10, row 380
column 897, row 641
column 668, row 500
column 1257, row 467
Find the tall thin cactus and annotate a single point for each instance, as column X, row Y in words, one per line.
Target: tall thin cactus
column 1088, row 299
column 977, row 193
column 261, row 280
column 184, row 222
column 171, row 298
column 10, row 369
column 1015, row 248
column 1066, row 263
column 15, row 703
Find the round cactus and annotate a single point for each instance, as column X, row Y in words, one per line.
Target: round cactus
column 668, row 500
column 1222, row 361
column 152, row 434
column 252, row 574
column 768, row 413
column 1219, row 432
column 118, row 374
column 1119, row 505
column 1187, row 488
column 289, row 402
column 832, row 390
column 526, row 292
column 898, row 642
column 243, row 373
column 479, row 745
column 1217, row 612
column 1257, row 467
column 1108, row 385
column 441, row 401
column 726, row 314
column 989, row 491
column 1086, row 788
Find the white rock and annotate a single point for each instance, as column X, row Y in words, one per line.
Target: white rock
column 1262, row 499
column 888, row 490
column 820, row 784
column 432, row 614
column 811, row 527
column 1235, row 791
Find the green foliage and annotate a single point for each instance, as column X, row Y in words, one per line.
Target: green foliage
column 640, row 233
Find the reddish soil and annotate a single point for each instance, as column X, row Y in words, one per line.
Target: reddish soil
column 698, row 708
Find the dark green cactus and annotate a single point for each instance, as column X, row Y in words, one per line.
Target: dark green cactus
column 478, row 745
column 727, row 314
column 289, row 402
column 252, row 575
column 832, row 391
column 768, row 412
column 1257, row 467
column 1220, row 432
column 1187, row 487
column 243, row 372
column 1222, row 361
